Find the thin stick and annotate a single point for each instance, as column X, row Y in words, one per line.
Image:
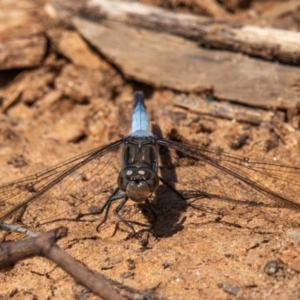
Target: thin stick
column 45, row 245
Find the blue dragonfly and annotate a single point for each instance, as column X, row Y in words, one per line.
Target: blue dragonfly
column 137, row 167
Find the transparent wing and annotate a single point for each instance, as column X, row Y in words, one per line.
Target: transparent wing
column 64, row 190
column 203, row 172
column 72, row 187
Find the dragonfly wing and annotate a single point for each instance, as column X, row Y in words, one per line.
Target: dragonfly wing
column 231, row 177
column 66, row 189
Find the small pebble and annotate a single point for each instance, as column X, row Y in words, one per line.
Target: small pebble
column 228, row 288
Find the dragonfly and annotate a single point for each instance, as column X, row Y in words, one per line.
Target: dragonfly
column 143, row 167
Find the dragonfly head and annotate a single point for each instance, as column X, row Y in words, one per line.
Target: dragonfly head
column 139, row 183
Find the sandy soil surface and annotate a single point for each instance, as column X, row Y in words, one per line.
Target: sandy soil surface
column 202, row 249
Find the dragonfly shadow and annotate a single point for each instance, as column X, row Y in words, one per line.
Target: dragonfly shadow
column 169, row 209
column 167, row 203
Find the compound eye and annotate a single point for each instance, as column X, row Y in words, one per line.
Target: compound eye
column 129, row 173
column 147, row 174
column 141, row 172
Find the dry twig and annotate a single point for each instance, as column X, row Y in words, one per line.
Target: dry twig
column 45, row 245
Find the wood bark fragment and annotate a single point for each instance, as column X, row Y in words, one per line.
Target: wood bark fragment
column 268, row 43
column 70, row 44
column 164, row 60
column 22, row 39
column 226, row 110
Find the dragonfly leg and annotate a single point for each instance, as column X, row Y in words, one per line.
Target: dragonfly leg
column 152, row 211
column 171, row 188
column 120, row 206
column 107, row 205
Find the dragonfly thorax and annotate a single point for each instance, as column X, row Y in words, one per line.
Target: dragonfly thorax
column 139, row 178
column 138, row 183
